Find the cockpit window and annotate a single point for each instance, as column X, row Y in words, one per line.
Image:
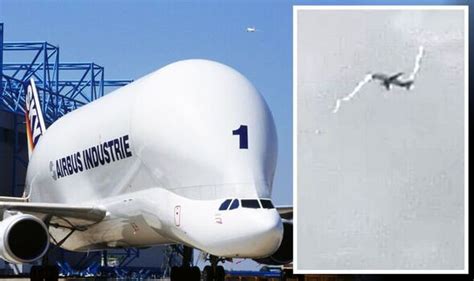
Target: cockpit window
column 235, row 204
column 250, row 203
column 225, row 205
column 267, row 204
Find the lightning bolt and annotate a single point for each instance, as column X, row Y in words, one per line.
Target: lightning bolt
column 352, row 94
column 417, row 66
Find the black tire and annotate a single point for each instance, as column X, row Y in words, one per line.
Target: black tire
column 36, row 273
column 176, row 274
column 207, row 274
column 195, row 274
column 185, row 273
column 220, row 273
column 51, row 273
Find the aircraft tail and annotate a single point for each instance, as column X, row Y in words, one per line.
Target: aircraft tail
column 35, row 126
column 409, row 85
column 395, row 77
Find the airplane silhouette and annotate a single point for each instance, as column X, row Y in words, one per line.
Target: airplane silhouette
column 388, row 81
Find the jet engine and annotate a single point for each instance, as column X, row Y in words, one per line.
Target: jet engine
column 23, row 238
column 284, row 254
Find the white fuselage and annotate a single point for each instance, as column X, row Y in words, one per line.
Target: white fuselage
column 160, row 155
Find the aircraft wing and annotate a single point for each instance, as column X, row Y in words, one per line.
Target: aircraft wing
column 395, row 76
column 76, row 214
column 286, row 212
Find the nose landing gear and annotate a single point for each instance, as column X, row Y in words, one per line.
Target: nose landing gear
column 213, row 272
column 188, row 272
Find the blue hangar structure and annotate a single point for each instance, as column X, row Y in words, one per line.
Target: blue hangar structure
column 62, row 87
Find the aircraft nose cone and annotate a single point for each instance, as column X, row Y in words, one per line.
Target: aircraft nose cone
column 255, row 234
column 268, row 234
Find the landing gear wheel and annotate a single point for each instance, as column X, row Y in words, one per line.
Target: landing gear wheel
column 51, row 273
column 47, row 273
column 36, row 273
column 220, row 273
column 195, row 273
column 185, row 273
column 176, row 274
column 207, row 274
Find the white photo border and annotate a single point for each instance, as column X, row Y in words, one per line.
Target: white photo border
column 465, row 9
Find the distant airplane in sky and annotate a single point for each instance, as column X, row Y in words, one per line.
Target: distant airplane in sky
column 388, row 81
column 251, row 29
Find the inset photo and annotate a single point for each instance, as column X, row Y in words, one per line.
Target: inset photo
column 381, row 139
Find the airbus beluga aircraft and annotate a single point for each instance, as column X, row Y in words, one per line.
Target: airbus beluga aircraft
column 185, row 155
column 388, row 81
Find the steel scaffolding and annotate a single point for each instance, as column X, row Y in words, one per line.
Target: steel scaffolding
column 62, row 86
column 82, row 82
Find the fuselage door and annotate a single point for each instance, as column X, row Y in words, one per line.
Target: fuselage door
column 177, row 215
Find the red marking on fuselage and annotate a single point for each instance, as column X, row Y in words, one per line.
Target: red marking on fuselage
column 29, row 134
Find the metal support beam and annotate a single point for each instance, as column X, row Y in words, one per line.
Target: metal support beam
column 187, row 256
column 1, row 57
column 14, row 154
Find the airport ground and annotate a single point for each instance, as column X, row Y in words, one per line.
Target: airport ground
column 228, row 278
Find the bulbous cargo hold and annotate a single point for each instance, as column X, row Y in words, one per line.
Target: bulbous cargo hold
column 196, row 127
column 155, row 163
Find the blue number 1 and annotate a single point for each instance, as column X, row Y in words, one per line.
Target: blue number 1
column 242, row 131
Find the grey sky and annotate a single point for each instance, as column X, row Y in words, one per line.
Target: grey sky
column 380, row 182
